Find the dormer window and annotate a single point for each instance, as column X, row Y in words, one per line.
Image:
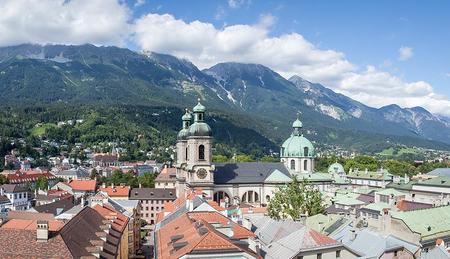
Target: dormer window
column 292, row 164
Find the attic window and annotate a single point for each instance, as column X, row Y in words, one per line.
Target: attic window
column 202, row 231
column 429, row 228
column 151, row 193
column 175, row 238
column 179, row 245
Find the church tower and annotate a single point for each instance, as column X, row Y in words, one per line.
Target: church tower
column 182, row 139
column 195, row 163
column 297, row 152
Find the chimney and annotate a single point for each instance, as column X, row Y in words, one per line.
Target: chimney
column 303, row 219
column 140, row 186
column 103, row 185
column 353, row 234
column 112, row 185
column 1, row 191
column 42, row 231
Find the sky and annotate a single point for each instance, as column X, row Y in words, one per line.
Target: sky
column 377, row 52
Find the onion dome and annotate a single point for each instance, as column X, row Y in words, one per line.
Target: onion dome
column 184, row 132
column 199, row 128
column 297, row 145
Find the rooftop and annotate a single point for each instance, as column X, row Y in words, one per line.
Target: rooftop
column 429, row 223
column 116, row 191
column 152, row 194
column 83, row 185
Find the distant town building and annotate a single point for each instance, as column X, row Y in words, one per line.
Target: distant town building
column 152, row 201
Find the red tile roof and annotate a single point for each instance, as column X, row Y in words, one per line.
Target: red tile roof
column 20, row 243
column 28, row 224
column 116, row 191
column 405, row 205
column 184, row 236
column 83, row 185
column 216, row 206
column 28, row 176
column 119, row 221
column 239, row 232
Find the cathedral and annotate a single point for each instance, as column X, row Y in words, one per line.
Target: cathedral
column 249, row 182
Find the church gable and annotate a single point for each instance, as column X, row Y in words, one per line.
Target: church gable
column 277, row 177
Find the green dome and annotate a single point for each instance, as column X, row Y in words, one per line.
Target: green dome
column 199, row 107
column 183, row 134
column 297, row 124
column 187, row 116
column 336, row 168
column 200, row 129
column 297, row 146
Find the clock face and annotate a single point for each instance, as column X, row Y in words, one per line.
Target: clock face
column 201, row 173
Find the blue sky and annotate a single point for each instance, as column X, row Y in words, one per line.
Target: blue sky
column 368, row 32
column 377, row 52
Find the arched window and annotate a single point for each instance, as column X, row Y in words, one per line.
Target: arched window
column 267, row 198
column 292, row 164
column 305, row 165
column 221, row 196
column 305, row 151
column 201, row 152
column 250, row 197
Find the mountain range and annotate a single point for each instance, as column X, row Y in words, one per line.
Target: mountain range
column 249, row 95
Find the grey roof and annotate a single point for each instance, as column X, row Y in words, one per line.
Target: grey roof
column 78, row 172
column 56, row 207
column 13, row 188
column 437, row 252
column 4, row 199
column 124, row 206
column 152, row 194
column 370, row 243
column 288, row 238
column 440, row 172
column 250, row 172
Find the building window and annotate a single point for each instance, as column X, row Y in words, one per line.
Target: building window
column 305, row 151
column 305, row 165
column 186, row 154
column 292, row 164
column 267, row 198
column 338, row 254
column 250, row 197
column 319, row 256
column 201, row 152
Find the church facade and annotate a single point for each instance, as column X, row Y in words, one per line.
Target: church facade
column 234, row 183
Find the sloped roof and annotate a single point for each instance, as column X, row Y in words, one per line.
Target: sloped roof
column 83, row 185
column 287, row 238
column 248, row 172
column 31, row 224
column 277, row 177
column 438, row 252
column 372, row 244
column 405, row 205
column 152, row 194
column 440, row 172
column 429, row 223
column 184, row 236
column 116, row 191
column 20, row 243
column 13, row 188
column 239, row 232
column 56, row 207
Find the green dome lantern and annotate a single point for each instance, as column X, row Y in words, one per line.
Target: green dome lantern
column 297, row 145
column 184, row 132
column 199, row 128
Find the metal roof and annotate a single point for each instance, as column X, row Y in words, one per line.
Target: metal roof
column 249, row 172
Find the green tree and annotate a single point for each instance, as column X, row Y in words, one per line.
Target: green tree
column 42, row 183
column 399, row 167
column 147, row 180
column 295, row 199
column 269, row 159
column 243, row 158
column 362, row 163
column 220, row 158
column 94, row 174
column 3, row 179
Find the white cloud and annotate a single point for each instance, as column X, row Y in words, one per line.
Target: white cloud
column 405, row 53
column 238, row 3
column 288, row 54
column 60, row 21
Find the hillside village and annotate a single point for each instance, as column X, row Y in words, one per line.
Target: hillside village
column 194, row 207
